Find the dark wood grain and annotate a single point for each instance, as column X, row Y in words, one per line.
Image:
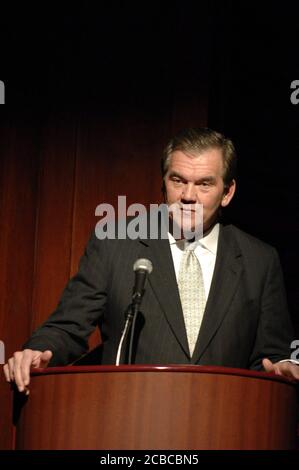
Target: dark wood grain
column 150, row 408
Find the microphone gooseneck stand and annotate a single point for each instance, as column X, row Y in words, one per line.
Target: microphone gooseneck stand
column 142, row 267
column 127, row 336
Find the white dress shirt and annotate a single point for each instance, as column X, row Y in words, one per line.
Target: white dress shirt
column 205, row 250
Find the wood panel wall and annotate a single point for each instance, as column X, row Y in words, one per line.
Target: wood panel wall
column 18, row 210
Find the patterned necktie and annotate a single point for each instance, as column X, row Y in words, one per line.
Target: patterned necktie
column 192, row 294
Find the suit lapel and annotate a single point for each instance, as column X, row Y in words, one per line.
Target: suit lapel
column 226, row 276
column 164, row 285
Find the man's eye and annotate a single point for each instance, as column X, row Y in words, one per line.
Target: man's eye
column 176, row 180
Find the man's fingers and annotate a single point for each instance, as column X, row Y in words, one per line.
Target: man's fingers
column 284, row 368
column 11, row 366
column 28, row 358
column 45, row 358
column 18, row 366
column 33, row 359
column 289, row 370
column 6, row 372
column 268, row 365
column 18, row 358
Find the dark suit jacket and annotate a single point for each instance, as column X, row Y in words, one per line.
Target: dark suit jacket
column 245, row 319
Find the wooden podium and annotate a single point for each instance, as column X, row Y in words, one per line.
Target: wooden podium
column 148, row 407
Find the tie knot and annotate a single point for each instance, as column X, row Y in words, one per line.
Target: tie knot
column 189, row 256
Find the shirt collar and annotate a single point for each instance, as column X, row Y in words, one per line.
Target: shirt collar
column 209, row 241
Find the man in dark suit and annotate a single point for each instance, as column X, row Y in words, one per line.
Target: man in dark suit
column 244, row 322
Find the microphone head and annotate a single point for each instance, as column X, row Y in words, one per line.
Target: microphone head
column 144, row 264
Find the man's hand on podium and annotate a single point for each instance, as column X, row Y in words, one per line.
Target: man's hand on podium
column 286, row 368
column 18, row 367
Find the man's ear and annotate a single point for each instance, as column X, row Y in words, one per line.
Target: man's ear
column 229, row 192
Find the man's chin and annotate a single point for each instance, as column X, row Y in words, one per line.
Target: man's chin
column 187, row 232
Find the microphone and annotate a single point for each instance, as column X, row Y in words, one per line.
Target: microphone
column 142, row 267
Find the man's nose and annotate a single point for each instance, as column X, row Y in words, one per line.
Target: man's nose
column 189, row 193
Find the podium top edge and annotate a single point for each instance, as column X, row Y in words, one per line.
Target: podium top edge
column 190, row 369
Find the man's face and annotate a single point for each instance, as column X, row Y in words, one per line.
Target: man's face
column 198, row 179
